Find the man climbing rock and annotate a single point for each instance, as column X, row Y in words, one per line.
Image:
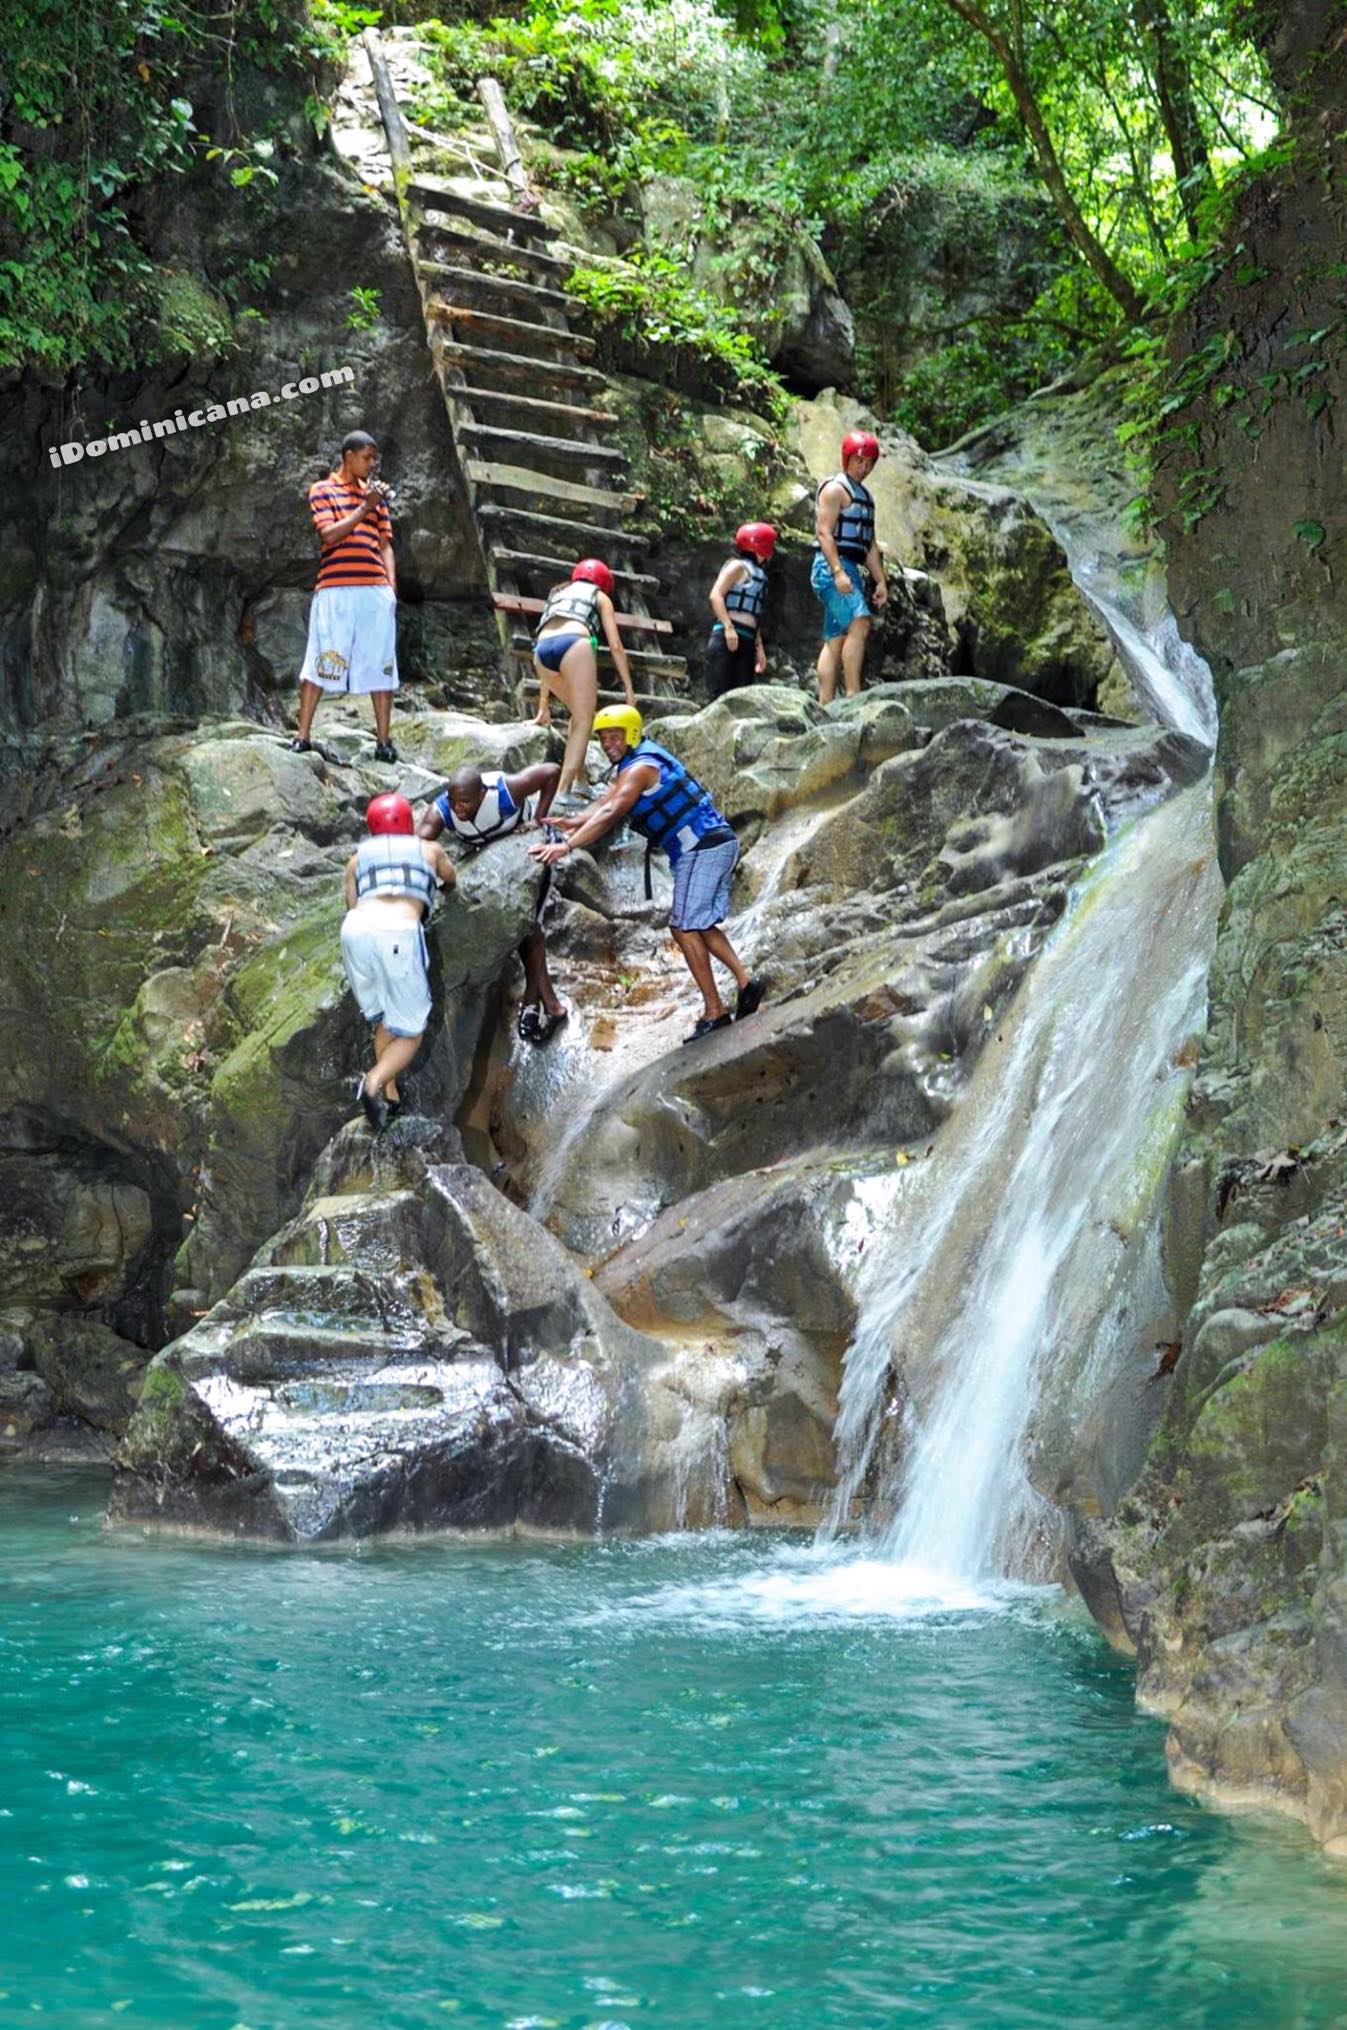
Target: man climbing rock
column 655, row 795
column 391, row 880
column 480, row 805
column 735, row 654
column 353, row 621
column 845, row 546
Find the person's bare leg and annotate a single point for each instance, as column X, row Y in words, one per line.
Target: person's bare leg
column 309, row 694
column 382, row 702
column 537, row 980
column 543, row 715
column 576, row 683
column 692, row 944
column 392, row 1060
column 853, row 655
column 720, row 948
column 829, row 669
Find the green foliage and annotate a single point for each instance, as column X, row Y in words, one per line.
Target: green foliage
column 1171, row 390
column 673, row 332
column 96, row 103
column 364, row 312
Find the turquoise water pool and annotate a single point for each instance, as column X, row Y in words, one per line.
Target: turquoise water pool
column 681, row 1782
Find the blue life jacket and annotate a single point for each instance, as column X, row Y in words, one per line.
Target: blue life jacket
column 495, row 815
column 745, row 599
column 854, row 529
column 577, row 601
column 676, row 813
column 392, row 863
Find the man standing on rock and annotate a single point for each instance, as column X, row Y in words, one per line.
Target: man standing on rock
column 844, row 527
column 656, row 796
column 484, row 804
column 353, row 621
column 391, row 880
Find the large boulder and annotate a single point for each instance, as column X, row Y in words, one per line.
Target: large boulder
column 182, row 1038
column 411, row 1353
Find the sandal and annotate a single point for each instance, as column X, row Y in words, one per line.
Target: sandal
column 548, row 1025
column 529, row 1022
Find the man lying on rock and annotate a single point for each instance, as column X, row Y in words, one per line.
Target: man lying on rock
column 391, row 880
column 480, row 805
column 655, row 795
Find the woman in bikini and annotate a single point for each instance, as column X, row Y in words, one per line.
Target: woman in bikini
column 564, row 654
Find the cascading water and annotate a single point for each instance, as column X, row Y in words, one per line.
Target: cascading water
column 1026, row 1248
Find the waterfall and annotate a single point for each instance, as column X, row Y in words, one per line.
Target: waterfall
column 1027, row 1245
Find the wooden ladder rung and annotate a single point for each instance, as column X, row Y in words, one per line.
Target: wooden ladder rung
column 513, row 602
column 444, row 275
column 438, row 194
column 562, row 447
column 552, row 413
column 586, row 533
column 560, row 567
column 516, row 329
column 486, row 359
column 486, row 248
column 542, row 486
column 643, row 699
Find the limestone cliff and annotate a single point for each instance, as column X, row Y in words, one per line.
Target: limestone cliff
column 1227, row 1569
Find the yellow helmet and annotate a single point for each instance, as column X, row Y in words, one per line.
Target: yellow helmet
column 626, row 717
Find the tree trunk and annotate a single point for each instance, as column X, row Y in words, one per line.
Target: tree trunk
column 1178, row 105
column 1050, row 168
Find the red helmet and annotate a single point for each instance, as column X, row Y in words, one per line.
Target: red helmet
column 758, row 538
column 859, row 444
column 390, row 814
column 594, row 572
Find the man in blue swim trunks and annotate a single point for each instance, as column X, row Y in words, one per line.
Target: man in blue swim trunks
column 653, row 793
column 845, row 545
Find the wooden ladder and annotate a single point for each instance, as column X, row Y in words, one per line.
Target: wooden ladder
column 527, row 411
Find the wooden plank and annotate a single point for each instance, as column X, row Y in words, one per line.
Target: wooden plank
column 559, row 567
column 484, row 248
column 517, row 603
column 554, row 414
column 487, row 359
column 493, row 98
column 651, row 662
column 436, row 193
column 644, row 699
column 515, row 329
column 444, row 273
column 569, row 492
column 556, row 526
column 573, row 449
column 399, row 147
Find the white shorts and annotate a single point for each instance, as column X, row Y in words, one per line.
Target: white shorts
column 353, row 639
column 386, row 966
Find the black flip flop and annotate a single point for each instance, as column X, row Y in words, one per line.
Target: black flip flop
column 548, row 1025
column 706, row 1025
column 529, row 1023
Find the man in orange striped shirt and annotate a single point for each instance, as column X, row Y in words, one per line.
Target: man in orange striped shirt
column 353, row 619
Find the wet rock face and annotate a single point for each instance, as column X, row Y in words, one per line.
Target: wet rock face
column 409, row 1353
column 1224, row 1571
column 182, row 1039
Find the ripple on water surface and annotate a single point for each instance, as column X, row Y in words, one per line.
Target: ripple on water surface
column 669, row 1782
